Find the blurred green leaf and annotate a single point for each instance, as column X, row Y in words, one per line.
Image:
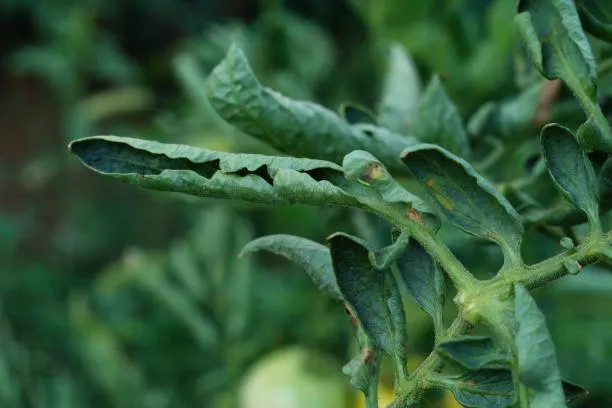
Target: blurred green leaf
column 401, row 92
column 537, row 361
column 596, row 17
column 438, row 121
column 507, row 118
column 605, row 185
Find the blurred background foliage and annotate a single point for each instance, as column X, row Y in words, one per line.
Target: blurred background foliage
column 115, row 297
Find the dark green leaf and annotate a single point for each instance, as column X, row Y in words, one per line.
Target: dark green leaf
column 573, row 392
column 423, row 279
column 363, row 369
column 473, row 353
column 596, row 17
column 401, row 92
column 294, row 127
column 439, row 122
column 605, row 185
column 206, row 173
column 466, row 198
column 356, row 114
column 372, row 294
column 488, row 388
column 537, row 361
column 556, row 43
column 571, row 169
column 313, row 257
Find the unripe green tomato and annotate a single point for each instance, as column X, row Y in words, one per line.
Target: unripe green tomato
column 294, row 378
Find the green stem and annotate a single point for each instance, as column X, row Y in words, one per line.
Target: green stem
column 534, row 276
column 523, row 396
column 604, row 68
column 410, row 393
column 459, row 275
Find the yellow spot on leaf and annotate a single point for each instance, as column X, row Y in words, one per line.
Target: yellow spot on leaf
column 446, row 203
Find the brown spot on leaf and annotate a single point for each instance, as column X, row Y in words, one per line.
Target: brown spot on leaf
column 351, row 314
column 415, row 216
column 373, row 172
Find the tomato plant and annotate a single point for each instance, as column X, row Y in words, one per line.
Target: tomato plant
column 415, row 166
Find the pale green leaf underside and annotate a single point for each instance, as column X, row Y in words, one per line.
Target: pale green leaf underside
column 311, row 256
column 206, row 173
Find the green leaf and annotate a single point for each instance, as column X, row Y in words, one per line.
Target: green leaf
column 571, row 170
column 401, row 92
column 507, row 118
column 423, row 280
column 373, row 295
column 206, row 173
column 487, row 388
column 363, row 369
column 556, row 43
column 474, row 352
column 467, row 199
column 293, row 127
column 537, row 361
column 364, row 167
column 439, row 122
column 596, row 17
column 384, row 257
column 356, row 114
column 605, row 185
column 311, row 256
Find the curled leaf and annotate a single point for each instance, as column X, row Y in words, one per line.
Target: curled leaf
column 293, row 127
column 311, row 256
column 206, row 173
